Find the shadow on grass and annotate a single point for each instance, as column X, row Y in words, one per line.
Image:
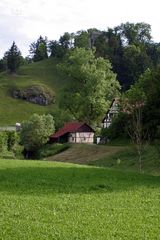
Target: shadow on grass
column 70, row 180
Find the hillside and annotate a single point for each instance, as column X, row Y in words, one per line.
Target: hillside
column 15, row 110
column 116, row 157
column 85, row 154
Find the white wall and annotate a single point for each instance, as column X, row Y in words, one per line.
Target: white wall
column 81, row 137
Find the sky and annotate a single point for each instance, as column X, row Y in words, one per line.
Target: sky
column 23, row 21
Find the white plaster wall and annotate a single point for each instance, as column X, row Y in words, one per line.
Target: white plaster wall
column 81, row 137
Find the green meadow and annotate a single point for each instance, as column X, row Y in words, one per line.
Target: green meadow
column 63, row 201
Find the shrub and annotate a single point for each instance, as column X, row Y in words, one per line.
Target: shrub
column 52, row 149
column 12, row 139
column 9, row 145
column 3, row 142
column 18, row 151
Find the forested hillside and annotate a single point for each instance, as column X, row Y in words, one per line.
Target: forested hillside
column 85, row 70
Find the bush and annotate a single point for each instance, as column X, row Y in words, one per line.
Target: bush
column 7, row 155
column 3, row 142
column 18, row 151
column 52, row 149
column 12, row 139
column 9, row 145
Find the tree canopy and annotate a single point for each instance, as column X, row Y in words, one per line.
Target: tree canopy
column 38, row 49
column 129, row 47
column 36, row 131
column 91, row 87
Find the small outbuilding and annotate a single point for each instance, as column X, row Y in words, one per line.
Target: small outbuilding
column 73, row 132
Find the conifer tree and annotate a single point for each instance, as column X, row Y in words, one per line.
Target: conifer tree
column 13, row 58
column 38, row 49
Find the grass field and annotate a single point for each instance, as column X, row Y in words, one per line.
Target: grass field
column 46, row 200
column 14, row 110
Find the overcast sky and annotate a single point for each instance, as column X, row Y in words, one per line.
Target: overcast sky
column 23, row 21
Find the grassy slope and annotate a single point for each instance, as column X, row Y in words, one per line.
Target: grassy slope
column 46, row 200
column 127, row 160
column 13, row 110
column 84, row 153
column 116, row 157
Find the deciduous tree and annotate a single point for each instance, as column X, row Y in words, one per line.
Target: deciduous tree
column 133, row 104
column 92, row 85
column 36, row 131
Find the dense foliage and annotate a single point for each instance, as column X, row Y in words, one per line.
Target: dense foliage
column 150, row 83
column 38, row 49
column 140, row 105
column 36, row 131
column 92, row 85
column 10, row 145
column 129, row 47
column 90, row 61
column 13, row 58
column 61, row 117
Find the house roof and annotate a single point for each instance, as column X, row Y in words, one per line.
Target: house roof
column 68, row 128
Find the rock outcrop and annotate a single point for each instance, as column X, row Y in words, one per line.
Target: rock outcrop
column 38, row 94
